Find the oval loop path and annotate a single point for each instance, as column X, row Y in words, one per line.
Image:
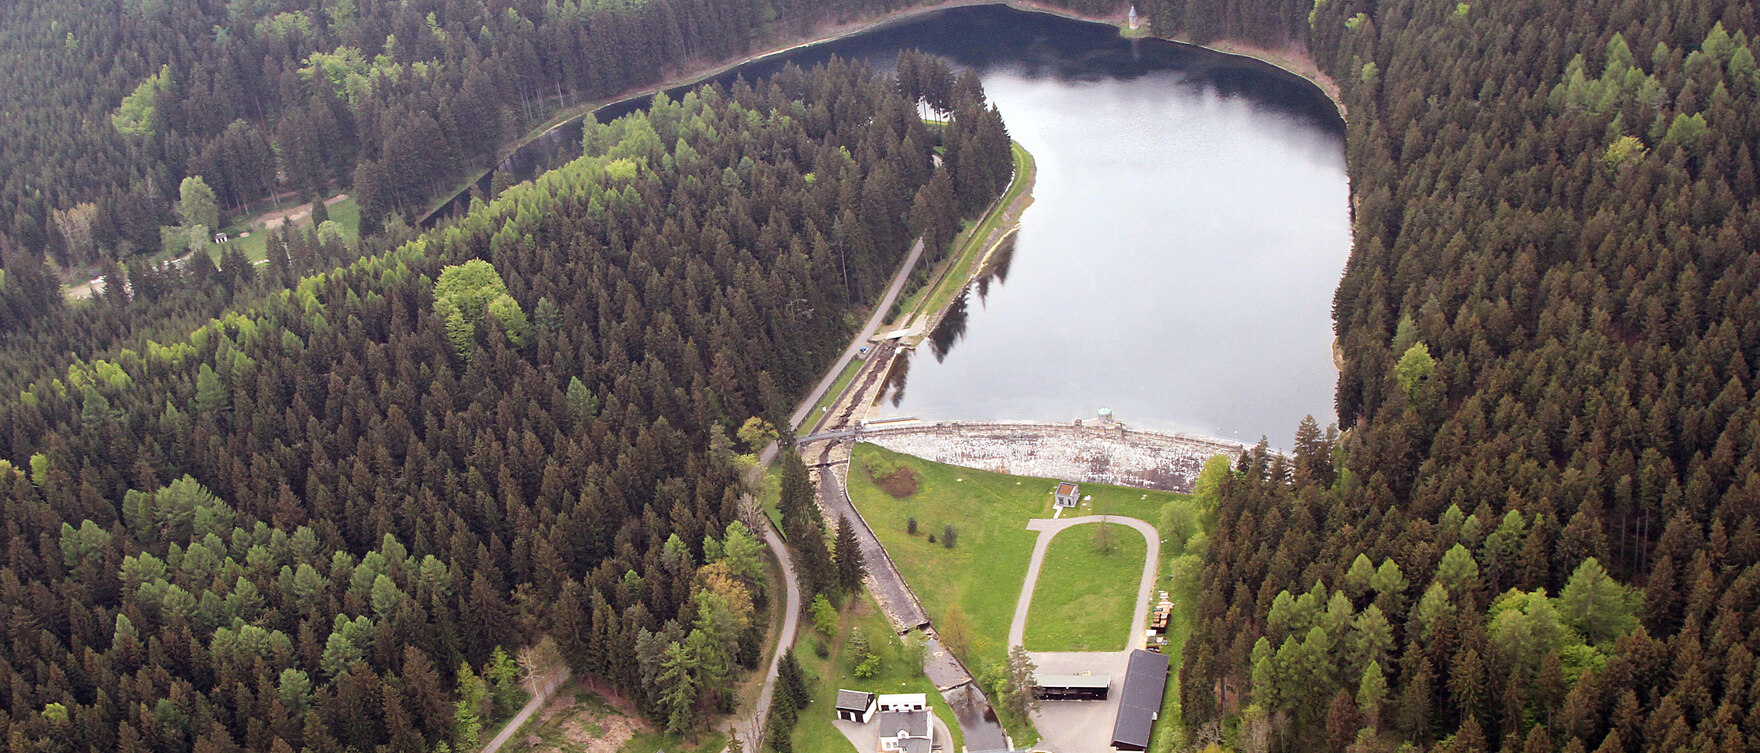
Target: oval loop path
column 1049, row 528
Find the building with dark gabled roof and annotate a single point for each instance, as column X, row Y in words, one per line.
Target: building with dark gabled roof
column 1145, row 682
column 855, row 706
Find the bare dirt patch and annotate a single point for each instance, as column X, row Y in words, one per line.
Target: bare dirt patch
column 897, row 481
column 578, row 720
column 272, row 220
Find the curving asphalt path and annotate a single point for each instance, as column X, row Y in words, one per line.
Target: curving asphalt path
column 1049, row 528
column 519, row 720
column 745, row 728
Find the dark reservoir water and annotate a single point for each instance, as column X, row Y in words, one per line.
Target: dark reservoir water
column 1189, row 225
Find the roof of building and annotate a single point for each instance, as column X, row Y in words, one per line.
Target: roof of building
column 920, row 700
column 912, row 723
column 916, row 745
column 1074, row 681
column 1144, row 683
column 853, row 700
column 1065, row 488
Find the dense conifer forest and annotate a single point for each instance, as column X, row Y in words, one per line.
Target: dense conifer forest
column 1539, row 531
column 108, row 105
column 330, row 520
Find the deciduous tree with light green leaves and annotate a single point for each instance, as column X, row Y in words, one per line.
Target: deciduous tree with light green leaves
column 1414, row 368
column 1596, row 605
column 465, row 293
column 137, row 115
column 197, row 204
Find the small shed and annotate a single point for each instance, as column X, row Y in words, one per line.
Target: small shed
column 1074, row 687
column 855, row 706
column 1068, row 494
column 1145, row 682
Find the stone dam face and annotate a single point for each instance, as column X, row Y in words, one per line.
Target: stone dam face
column 1106, row 453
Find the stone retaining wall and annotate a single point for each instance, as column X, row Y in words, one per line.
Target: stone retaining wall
column 1108, row 453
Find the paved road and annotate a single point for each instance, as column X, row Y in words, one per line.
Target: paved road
column 867, row 333
column 1080, row 726
column 745, row 727
column 1048, row 528
column 519, row 719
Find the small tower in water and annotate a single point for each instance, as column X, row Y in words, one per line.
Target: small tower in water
column 1133, row 16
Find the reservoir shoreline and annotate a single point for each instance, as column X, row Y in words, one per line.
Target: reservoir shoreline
column 1291, row 61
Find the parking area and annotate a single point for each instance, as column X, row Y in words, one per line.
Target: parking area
column 1080, row 726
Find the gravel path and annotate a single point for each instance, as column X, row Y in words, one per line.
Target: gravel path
column 1048, row 528
column 745, row 727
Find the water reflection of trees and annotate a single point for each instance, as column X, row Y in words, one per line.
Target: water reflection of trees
column 951, row 328
column 996, row 267
column 894, row 387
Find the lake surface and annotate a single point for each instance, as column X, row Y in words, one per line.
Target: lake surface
column 1190, row 222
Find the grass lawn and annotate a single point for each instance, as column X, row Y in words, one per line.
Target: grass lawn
column 977, row 581
column 983, row 573
column 255, row 247
column 815, row 733
column 1085, row 597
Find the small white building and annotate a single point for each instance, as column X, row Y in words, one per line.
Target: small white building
column 905, row 723
column 855, row 706
column 1068, row 494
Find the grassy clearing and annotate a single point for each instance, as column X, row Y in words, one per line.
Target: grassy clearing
column 979, row 579
column 1086, row 597
column 815, row 732
column 579, row 725
column 971, row 589
column 255, row 247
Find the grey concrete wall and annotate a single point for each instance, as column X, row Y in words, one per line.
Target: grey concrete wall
column 1108, row 453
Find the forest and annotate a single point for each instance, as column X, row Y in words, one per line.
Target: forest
column 1537, row 530
column 109, row 105
column 332, row 519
